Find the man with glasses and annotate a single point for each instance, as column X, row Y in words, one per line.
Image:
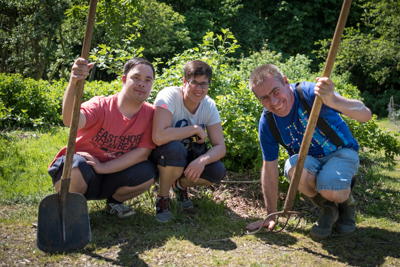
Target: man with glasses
column 183, row 119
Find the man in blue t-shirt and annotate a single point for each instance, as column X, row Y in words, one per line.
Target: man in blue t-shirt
column 328, row 170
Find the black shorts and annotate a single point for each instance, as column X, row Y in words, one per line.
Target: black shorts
column 175, row 154
column 102, row 186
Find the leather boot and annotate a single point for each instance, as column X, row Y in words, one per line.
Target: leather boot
column 347, row 216
column 329, row 212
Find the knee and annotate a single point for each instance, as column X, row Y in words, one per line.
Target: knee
column 219, row 171
column 174, row 149
column 148, row 184
column 215, row 172
column 78, row 183
column 172, row 154
column 336, row 196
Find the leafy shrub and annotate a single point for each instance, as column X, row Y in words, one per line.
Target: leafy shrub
column 27, row 102
column 30, row 103
column 240, row 111
column 379, row 104
column 370, row 136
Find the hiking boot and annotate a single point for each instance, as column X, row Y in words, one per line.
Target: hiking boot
column 163, row 214
column 121, row 211
column 323, row 227
column 182, row 197
column 347, row 216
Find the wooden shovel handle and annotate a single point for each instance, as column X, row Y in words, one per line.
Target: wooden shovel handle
column 316, row 107
column 79, row 93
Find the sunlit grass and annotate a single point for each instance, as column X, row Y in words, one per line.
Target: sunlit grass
column 24, row 159
column 204, row 236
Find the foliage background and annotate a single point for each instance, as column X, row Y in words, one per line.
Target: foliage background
column 41, row 38
column 30, row 103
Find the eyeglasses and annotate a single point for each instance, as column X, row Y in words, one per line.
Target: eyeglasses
column 203, row 85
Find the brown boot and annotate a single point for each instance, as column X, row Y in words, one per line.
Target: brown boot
column 329, row 212
column 347, row 216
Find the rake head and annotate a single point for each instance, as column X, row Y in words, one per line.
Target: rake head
column 285, row 220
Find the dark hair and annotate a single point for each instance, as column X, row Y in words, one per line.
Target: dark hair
column 131, row 63
column 259, row 75
column 197, row 68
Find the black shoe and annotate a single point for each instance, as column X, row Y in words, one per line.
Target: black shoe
column 182, row 197
column 163, row 214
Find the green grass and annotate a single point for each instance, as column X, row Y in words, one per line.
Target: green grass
column 24, row 158
column 211, row 234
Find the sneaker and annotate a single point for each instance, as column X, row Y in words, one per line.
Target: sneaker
column 182, row 197
column 121, row 211
column 163, row 214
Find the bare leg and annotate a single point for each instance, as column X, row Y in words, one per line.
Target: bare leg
column 336, row 196
column 128, row 192
column 77, row 184
column 307, row 182
column 185, row 182
column 168, row 175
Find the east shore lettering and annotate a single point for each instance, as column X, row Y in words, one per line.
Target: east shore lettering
column 114, row 144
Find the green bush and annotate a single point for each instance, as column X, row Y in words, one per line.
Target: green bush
column 24, row 101
column 27, row 102
column 31, row 103
column 379, row 104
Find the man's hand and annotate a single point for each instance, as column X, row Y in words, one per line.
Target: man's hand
column 80, row 70
column 270, row 224
column 201, row 134
column 195, row 169
column 325, row 89
column 92, row 161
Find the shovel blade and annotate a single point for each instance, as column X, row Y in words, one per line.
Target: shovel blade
column 50, row 234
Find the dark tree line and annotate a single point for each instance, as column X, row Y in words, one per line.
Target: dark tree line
column 41, row 38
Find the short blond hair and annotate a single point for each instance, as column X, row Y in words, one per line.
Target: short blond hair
column 259, row 75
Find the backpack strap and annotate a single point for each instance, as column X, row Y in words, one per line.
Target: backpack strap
column 321, row 123
column 275, row 131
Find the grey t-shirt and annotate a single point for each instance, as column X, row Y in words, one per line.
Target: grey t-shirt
column 171, row 98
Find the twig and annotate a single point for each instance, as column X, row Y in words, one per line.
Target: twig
column 239, row 182
column 4, row 214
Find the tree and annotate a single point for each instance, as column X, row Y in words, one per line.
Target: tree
column 126, row 28
column 371, row 52
column 290, row 27
column 27, row 32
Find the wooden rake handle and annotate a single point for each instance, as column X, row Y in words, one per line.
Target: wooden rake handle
column 316, row 107
column 79, row 93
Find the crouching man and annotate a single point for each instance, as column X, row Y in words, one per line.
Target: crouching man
column 183, row 119
column 330, row 165
column 113, row 140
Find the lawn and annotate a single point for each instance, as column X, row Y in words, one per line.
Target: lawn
column 211, row 234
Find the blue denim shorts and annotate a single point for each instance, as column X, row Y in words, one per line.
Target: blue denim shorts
column 334, row 172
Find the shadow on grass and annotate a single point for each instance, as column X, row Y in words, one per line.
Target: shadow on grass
column 367, row 246
column 205, row 226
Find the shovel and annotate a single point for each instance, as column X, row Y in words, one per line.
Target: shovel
column 63, row 219
column 287, row 214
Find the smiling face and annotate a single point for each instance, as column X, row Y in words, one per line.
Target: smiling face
column 138, row 83
column 192, row 94
column 275, row 96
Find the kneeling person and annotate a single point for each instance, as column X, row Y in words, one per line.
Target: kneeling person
column 329, row 167
column 181, row 116
column 113, row 140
